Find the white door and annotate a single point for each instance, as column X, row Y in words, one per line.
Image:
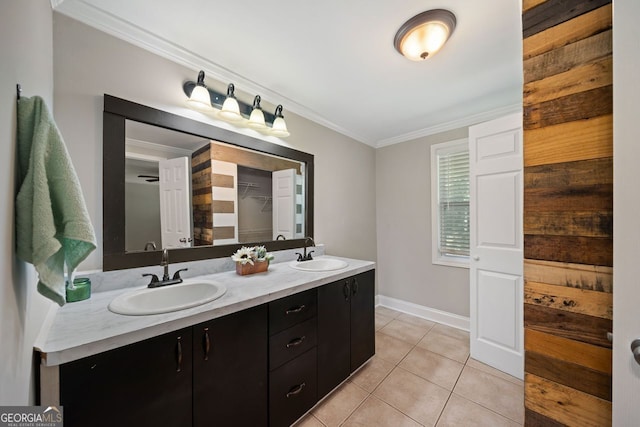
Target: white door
column 284, row 203
column 497, row 329
column 626, row 211
column 175, row 202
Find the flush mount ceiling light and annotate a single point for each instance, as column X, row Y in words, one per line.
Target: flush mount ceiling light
column 423, row 35
column 231, row 109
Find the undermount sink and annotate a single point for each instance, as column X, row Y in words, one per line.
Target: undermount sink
column 319, row 264
column 187, row 294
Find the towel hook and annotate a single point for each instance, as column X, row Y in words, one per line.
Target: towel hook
column 19, row 91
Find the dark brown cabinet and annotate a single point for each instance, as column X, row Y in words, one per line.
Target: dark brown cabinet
column 346, row 328
column 230, row 370
column 142, row 384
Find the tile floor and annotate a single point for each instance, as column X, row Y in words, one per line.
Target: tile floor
column 421, row 375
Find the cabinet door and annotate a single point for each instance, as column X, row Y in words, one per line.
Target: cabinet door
column 362, row 318
column 334, row 316
column 230, row 370
column 142, row 384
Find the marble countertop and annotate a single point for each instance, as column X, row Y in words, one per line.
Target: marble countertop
column 84, row 328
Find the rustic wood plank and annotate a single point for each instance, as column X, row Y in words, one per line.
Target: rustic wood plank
column 201, row 199
column 203, row 181
column 578, row 327
column 579, row 79
column 589, row 277
column 565, row 404
column 554, row 12
column 219, row 180
column 201, row 156
column 576, row 173
column 220, row 233
column 592, row 303
column 582, row 27
column 223, row 206
column 569, row 374
column 576, row 352
column 573, row 249
column 204, row 167
column 572, row 141
column 528, row 4
column 199, row 191
column 585, row 198
column 578, row 106
column 534, row 419
column 251, row 159
column 556, row 223
column 567, row 57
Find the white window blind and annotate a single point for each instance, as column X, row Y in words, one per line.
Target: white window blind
column 452, row 199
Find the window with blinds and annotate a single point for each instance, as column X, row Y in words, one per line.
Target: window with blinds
column 450, row 199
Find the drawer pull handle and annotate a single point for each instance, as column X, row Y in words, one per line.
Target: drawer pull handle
column 296, row 390
column 295, row 342
column 294, row 310
column 355, row 286
column 179, row 354
column 207, row 344
column 346, row 290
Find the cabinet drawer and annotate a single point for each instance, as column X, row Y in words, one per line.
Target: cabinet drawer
column 292, row 389
column 292, row 342
column 288, row 311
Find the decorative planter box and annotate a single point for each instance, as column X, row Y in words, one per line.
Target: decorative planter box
column 257, row 267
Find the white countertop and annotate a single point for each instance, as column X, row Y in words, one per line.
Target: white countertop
column 84, row 328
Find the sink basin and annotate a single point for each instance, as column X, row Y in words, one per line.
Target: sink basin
column 319, row 264
column 188, row 294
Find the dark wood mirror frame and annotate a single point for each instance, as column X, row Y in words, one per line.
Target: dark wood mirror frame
column 116, row 112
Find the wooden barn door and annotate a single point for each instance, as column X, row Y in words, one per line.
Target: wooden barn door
column 568, row 211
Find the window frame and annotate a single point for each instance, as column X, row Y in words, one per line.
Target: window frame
column 453, row 146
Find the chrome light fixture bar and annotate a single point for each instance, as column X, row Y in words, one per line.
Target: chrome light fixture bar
column 228, row 107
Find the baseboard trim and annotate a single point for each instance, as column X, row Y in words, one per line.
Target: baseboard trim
column 433, row 314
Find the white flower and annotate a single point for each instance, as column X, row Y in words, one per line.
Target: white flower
column 244, row 255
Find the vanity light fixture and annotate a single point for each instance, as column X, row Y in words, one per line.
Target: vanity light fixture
column 423, row 35
column 229, row 108
column 200, row 98
column 256, row 119
column 279, row 127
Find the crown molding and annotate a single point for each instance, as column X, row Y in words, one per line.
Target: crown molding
column 131, row 33
column 451, row 125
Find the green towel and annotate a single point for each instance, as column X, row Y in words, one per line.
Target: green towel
column 52, row 223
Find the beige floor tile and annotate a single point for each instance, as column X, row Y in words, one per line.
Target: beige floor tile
column 493, row 371
column 462, row 412
column 371, row 375
column 405, row 331
column 453, row 348
column 339, row 404
column 501, row 396
column 309, row 421
column 417, row 321
column 433, row 367
column 389, row 312
column 416, row 397
column 374, row 412
column 391, row 349
column 451, row 332
column 382, row 320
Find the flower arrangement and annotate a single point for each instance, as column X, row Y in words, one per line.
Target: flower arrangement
column 251, row 260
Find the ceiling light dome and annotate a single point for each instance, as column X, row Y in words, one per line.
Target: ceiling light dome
column 423, row 35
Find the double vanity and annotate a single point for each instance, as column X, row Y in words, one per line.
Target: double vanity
column 263, row 353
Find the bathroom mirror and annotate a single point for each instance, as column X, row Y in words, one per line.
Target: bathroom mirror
column 195, row 189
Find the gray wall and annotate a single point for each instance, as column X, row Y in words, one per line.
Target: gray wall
column 142, row 228
column 26, row 52
column 403, row 194
column 89, row 63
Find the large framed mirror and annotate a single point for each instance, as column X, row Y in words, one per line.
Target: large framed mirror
column 195, row 189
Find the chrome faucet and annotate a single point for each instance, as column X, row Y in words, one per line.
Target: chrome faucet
column 166, row 279
column 306, row 256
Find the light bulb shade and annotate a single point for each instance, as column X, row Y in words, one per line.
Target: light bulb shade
column 423, row 35
column 279, row 127
column 256, row 119
column 230, row 109
column 200, row 97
